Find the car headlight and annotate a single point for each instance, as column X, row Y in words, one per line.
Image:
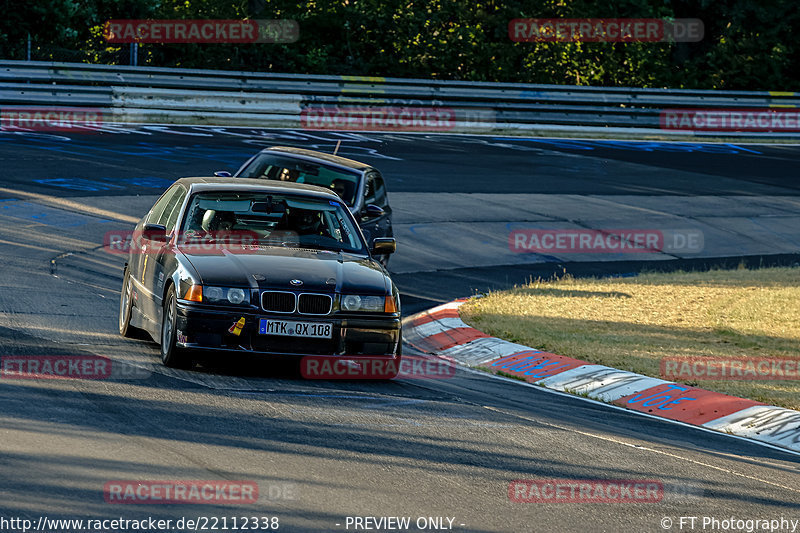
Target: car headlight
column 235, row 296
column 353, row 302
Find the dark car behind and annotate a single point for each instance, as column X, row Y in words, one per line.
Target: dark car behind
column 361, row 186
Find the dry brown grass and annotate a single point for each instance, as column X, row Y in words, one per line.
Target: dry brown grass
column 632, row 323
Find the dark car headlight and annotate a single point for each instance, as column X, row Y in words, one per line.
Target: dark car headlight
column 369, row 304
column 233, row 295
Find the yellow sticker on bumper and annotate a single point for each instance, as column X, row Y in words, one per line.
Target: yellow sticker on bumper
column 237, row 326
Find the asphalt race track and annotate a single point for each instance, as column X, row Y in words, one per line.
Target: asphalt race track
column 322, row 451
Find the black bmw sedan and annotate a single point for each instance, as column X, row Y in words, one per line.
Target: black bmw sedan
column 250, row 266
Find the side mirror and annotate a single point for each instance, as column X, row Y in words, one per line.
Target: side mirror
column 373, row 211
column 383, row 246
column 154, row 232
column 223, row 174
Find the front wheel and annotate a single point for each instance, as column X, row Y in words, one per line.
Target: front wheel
column 397, row 359
column 126, row 308
column 171, row 355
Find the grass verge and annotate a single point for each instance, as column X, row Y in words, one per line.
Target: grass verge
column 632, row 323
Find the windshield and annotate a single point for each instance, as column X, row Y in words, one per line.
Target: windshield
column 275, row 167
column 271, row 220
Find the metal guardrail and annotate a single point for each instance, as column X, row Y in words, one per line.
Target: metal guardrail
column 147, row 94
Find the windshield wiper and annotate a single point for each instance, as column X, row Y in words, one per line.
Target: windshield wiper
column 335, row 249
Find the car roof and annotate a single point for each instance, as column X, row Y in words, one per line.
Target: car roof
column 202, row 184
column 313, row 155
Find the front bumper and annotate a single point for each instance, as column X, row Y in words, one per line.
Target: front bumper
column 210, row 329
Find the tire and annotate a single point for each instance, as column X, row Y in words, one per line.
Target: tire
column 399, row 351
column 398, row 359
column 126, row 308
column 171, row 355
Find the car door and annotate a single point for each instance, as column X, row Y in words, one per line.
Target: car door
column 375, row 226
column 152, row 252
column 139, row 247
column 163, row 262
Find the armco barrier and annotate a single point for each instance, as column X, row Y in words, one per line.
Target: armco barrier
column 167, row 95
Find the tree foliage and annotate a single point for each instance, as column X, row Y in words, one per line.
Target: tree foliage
column 748, row 44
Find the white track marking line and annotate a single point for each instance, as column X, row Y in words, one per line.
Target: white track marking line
column 646, row 449
column 618, row 408
column 70, row 205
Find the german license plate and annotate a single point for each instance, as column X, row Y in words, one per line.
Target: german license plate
column 291, row 328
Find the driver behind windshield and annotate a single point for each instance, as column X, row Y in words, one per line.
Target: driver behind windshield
column 339, row 187
column 289, row 174
column 218, row 221
column 209, row 223
column 306, row 222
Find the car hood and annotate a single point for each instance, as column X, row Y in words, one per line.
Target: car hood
column 275, row 268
